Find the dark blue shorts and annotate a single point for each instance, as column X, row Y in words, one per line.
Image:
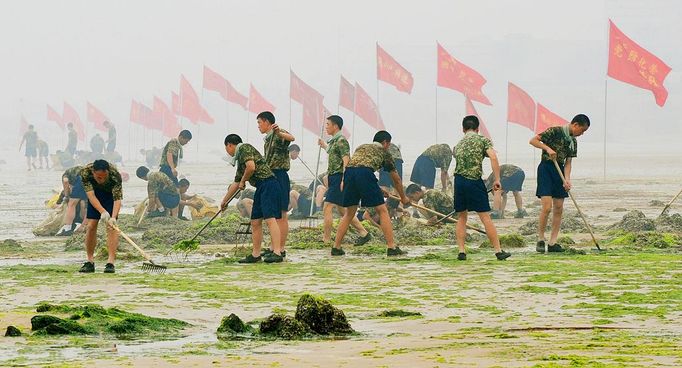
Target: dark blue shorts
column 334, row 194
column 77, row 190
column 549, row 181
column 304, row 205
column 513, row 183
column 360, row 186
column 31, row 151
column 360, row 215
column 106, row 199
column 470, row 195
column 385, row 176
column 167, row 170
column 285, row 187
column 169, row 200
column 424, row 172
column 266, row 200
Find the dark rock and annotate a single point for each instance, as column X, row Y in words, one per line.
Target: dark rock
column 284, row 327
column 12, row 332
column 321, row 316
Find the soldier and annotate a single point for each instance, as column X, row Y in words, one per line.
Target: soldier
column 361, row 186
column 103, row 186
column 384, row 176
column 31, row 139
column 185, row 199
column 72, row 142
column 560, row 144
column 470, row 193
column 294, row 152
column 251, row 167
column 245, row 203
column 97, row 144
column 300, row 198
column 111, row 136
column 436, row 200
column 512, row 178
column 161, row 192
column 43, row 153
column 276, row 151
column 74, row 191
column 172, row 153
column 424, row 170
column 338, row 150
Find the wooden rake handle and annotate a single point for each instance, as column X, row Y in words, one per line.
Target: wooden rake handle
column 436, row 213
column 131, row 242
column 671, row 202
column 214, row 216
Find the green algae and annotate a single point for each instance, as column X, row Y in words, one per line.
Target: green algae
column 508, row 241
column 321, row 316
column 646, row 239
column 398, row 313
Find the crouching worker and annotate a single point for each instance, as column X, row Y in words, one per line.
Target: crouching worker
column 161, row 191
column 103, row 186
column 74, row 192
column 470, row 192
column 360, row 186
column 251, row 167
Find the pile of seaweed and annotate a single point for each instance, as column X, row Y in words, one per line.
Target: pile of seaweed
column 672, row 223
column 634, row 221
column 570, row 223
column 10, row 246
column 165, row 232
column 96, row 320
column 646, row 239
column 508, row 241
column 637, row 231
column 315, row 318
column 76, row 242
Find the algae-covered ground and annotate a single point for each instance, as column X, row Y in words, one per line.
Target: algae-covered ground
column 617, row 308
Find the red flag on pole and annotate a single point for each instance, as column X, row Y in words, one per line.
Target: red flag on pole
column 301, row 91
column 313, row 115
column 190, row 107
column 391, row 72
column 455, row 75
column 470, row 110
column 366, row 109
column 346, row 94
column 71, row 116
column 547, row 119
column 94, row 115
column 216, row 82
column 631, row 63
column 257, row 103
column 170, row 125
column 145, row 116
column 520, row 107
column 53, row 115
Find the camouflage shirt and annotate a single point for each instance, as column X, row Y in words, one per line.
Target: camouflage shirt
column 337, row 149
column 438, row 201
column 395, row 152
column 555, row 139
column 158, row 182
column 506, row 171
column 277, row 151
column 113, row 184
column 372, row 155
column 175, row 148
column 440, row 154
column 469, row 155
column 247, row 153
column 72, row 173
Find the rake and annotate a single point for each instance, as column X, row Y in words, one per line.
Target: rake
column 436, row 213
column 671, row 202
column 149, row 265
column 194, row 242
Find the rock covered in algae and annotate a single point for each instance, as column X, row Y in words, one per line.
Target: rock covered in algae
column 284, row 327
column 12, row 332
column 233, row 325
column 52, row 325
column 321, row 316
column 634, row 221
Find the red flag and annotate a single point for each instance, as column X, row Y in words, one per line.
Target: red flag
column 23, row 126
column 314, row 115
column 53, row 115
column 170, row 125
column 520, row 107
column 631, row 63
column 455, row 75
column 190, row 107
column 71, row 116
column 145, row 116
column 135, row 111
column 346, row 94
column 175, row 103
column 300, row 91
column 216, row 82
column 472, row 111
column 257, row 103
column 94, row 115
column 547, row 119
column 366, row 109
column 391, row 72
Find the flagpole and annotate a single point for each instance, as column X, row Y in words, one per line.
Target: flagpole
column 535, row 126
column 506, row 143
column 606, row 89
column 317, row 167
column 352, row 146
column 436, row 113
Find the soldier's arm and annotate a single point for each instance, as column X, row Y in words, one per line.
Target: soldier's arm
column 285, row 135
column 495, row 166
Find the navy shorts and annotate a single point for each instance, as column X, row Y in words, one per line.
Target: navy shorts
column 169, row 200
column 167, row 170
column 334, row 194
column 31, row 151
column 285, row 187
column 304, row 205
column 360, row 186
column 385, row 176
column 77, row 191
column 106, row 199
column 266, row 200
column 470, row 195
column 549, row 181
column 424, row 172
column 513, row 183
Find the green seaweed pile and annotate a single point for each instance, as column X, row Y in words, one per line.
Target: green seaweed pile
column 569, row 223
column 634, row 221
column 398, row 313
column 96, row 320
column 508, row 241
column 646, row 239
column 672, row 223
column 10, row 246
column 315, row 317
column 166, row 232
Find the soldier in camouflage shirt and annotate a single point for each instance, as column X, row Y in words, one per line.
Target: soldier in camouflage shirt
column 470, row 193
column 172, row 153
column 431, row 198
column 511, row 178
column 251, row 167
column 438, row 156
column 74, row 192
column 104, row 187
column 560, row 144
column 385, row 176
column 161, row 192
column 338, row 150
column 360, row 186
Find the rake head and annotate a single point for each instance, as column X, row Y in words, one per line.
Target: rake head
column 153, row 267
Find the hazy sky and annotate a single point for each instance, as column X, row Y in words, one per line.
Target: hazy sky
column 108, row 52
